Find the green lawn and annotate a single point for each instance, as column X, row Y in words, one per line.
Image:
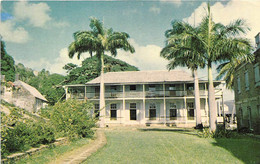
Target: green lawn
column 126, row 145
column 50, row 155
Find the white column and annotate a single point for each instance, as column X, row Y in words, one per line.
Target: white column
column 164, row 104
column 185, row 105
column 206, row 104
column 124, row 113
column 144, row 102
column 85, row 92
column 66, row 92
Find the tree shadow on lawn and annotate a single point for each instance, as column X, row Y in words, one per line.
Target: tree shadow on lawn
column 243, row 148
column 180, row 130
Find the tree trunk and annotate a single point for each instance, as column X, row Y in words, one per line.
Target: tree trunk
column 102, row 103
column 212, row 101
column 197, row 97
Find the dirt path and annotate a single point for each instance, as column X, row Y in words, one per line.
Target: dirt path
column 81, row 154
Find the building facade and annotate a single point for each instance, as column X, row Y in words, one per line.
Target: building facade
column 147, row 97
column 22, row 95
column 247, row 92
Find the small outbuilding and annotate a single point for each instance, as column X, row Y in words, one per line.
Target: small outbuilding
column 24, row 96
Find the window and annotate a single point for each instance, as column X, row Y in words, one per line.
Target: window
column 249, row 117
column 257, row 75
column 172, row 87
column 238, row 85
column 97, row 91
column 113, row 88
column 132, row 105
column 151, row 87
column 241, row 116
column 173, row 111
column 132, row 87
column 152, row 111
column 190, row 111
column 113, row 106
column 246, row 80
column 113, row 112
column 190, row 87
column 97, row 110
column 132, row 111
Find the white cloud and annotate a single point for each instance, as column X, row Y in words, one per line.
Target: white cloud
column 175, row 2
column 36, row 13
column 10, row 33
column 248, row 10
column 60, row 24
column 155, row 10
column 145, row 57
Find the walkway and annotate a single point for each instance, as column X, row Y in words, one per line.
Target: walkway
column 81, row 154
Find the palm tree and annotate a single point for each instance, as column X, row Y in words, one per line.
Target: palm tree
column 227, row 69
column 214, row 43
column 99, row 40
column 221, row 43
column 182, row 49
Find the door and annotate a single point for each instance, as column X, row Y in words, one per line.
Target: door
column 132, row 111
column 132, row 114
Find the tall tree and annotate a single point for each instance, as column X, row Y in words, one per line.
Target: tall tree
column 227, row 69
column 182, row 49
column 7, row 64
column 89, row 69
column 221, row 43
column 99, row 40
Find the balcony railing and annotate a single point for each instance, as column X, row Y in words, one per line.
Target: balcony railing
column 76, row 95
column 140, row 94
column 114, row 94
column 149, row 94
column 174, row 93
column 134, row 94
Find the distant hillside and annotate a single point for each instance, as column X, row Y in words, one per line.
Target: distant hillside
column 90, row 69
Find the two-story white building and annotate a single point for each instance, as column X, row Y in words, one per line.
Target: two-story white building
column 147, row 97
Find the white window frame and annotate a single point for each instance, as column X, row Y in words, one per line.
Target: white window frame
column 257, row 74
column 238, row 85
column 246, row 80
column 172, row 87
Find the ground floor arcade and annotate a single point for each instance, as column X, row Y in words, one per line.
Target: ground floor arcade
column 179, row 112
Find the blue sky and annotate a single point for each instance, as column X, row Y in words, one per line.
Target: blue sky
column 37, row 33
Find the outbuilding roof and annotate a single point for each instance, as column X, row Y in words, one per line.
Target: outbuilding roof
column 31, row 89
column 143, row 77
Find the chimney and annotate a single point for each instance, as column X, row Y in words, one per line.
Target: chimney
column 257, row 41
column 16, row 77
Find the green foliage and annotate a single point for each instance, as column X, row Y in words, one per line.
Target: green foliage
column 20, row 134
column 47, row 84
column 50, row 87
column 25, row 74
column 73, row 118
column 219, row 133
column 7, row 64
column 90, row 69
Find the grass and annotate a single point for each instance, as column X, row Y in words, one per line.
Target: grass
column 173, row 146
column 50, row 155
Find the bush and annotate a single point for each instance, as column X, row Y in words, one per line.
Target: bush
column 73, row 118
column 46, row 112
column 20, row 134
column 219, row 133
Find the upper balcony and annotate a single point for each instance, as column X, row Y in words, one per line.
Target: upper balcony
column 138, row 91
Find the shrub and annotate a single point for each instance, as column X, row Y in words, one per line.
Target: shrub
column 73, row 118
column 46, row 112
column 219, row 133
column 20, row 134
